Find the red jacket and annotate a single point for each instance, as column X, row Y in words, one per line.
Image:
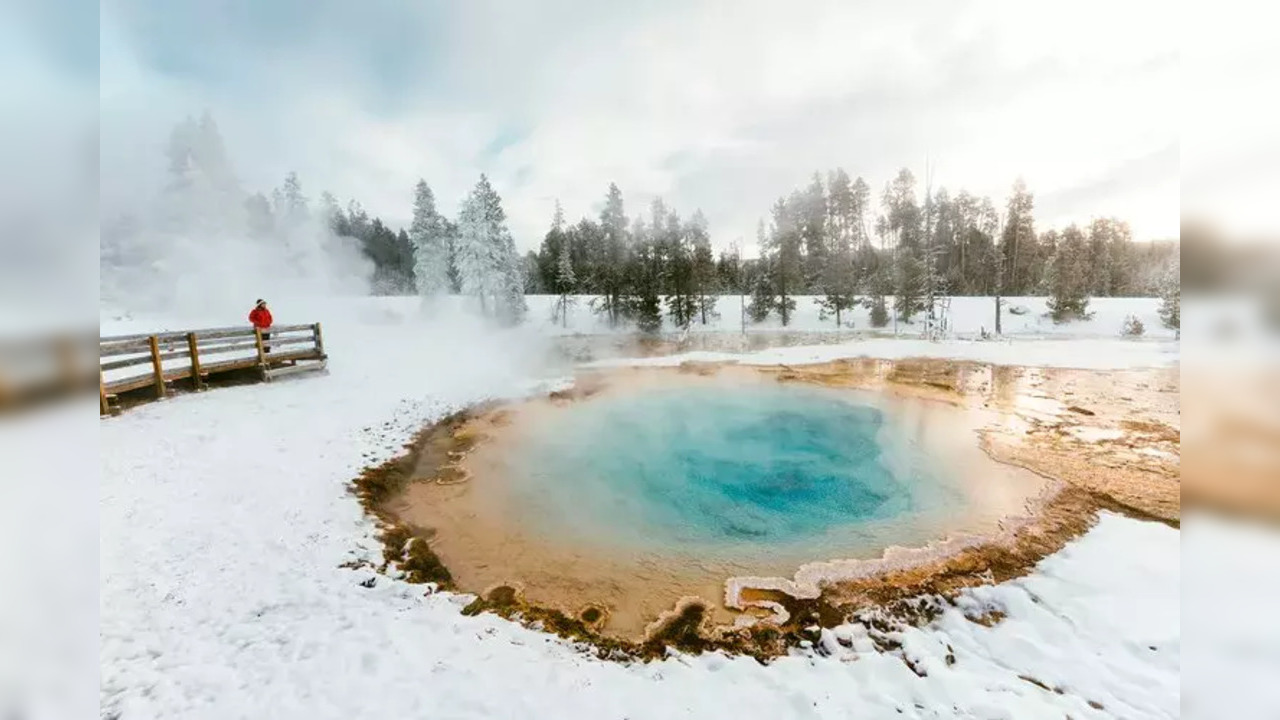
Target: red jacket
column 260, row 317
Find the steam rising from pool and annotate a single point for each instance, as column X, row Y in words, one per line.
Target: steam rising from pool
column 700, row 469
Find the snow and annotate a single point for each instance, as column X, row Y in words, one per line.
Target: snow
column 224, row 518
column 968, row 317
column 1233, row 642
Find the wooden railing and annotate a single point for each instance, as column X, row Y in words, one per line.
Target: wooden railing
column 131, row 364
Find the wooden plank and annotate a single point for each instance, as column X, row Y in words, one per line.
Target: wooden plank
column 139, row 337
column 294, row 369
column 103, row 408
column 127, row 362
column 170, row 334
column 181, row 373
column 193, row 349
column 235, row 332
column 115, row 387
column 157, row 368
column 208, row 369
column 274, row 343
column 287, row 328
column 315, row 331
column 310, row 354
column 128, row 348
column 228, row 346
column 262, row 360
column 175, row 355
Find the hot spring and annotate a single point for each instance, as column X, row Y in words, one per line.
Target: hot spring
column 722, row 472
column 663, row 485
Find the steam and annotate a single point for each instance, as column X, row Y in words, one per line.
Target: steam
column 204, row 245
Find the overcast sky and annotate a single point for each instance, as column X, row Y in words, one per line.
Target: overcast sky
column 715, row 105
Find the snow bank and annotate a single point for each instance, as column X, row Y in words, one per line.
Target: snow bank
column 225, row 518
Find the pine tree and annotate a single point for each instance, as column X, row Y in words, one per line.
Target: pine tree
column 839, row 276
column 677, row 251
column 565, row 282
column 489, row 268
column 1171, row 296
column 759, row 280
column 430, row 244
column 1067, row 277
column 784, row 257
column 903, row 220
column 763, row 298
column 879, row 312
column 937, row 240
column 644, row 303
column 1018, row 244
column 704, row 268
column 613, row 249
column 810, row 215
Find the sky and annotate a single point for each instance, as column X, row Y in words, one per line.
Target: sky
column 718, row 105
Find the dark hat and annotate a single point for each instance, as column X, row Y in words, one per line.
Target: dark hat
column 260, row 301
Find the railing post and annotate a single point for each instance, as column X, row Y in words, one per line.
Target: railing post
column 155, row 365
column 262, row 355
column 315, row 330
column 193, row 349
column 103, row 408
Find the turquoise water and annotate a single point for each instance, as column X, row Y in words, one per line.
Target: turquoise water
column 753, row 465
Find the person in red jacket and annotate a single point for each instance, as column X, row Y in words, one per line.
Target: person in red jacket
column 260, row 316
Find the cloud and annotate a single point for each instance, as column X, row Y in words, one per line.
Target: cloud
column 713, row 104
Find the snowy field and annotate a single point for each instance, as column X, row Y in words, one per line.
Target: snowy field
column 225, row 517
column 967, row 318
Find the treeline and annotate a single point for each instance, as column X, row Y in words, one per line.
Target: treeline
column 833, row 239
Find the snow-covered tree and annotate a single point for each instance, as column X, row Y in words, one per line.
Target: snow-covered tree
column 1018, row 243
column 644, row 302
column 1067, row 278
column 782, row 253
column 677, row 254
column 903, row 221
column 839, row 277
column 489, row 268
column 612, row 249
column 1171, row 295
column 566, row 282
column 427, row 234
column 704, row 267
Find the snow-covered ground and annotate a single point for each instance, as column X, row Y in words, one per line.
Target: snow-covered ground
column 967, row 317
column 225, row 517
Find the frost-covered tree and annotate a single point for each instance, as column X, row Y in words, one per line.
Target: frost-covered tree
column 810, row 213
column 782, row 253
column 1018, row 243
column 677, row 255
column 1171, row 295
column 1067, row 278
column 644, row 302
column 839, row 277
column 938, row 237
column 565, row 282
column 879, row 312
column 704, row 267
column 903, row 221
column 612, row 249
column 430, row 242
column 489, row 269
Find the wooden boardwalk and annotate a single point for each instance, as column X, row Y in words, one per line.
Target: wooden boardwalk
column 138, row 368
